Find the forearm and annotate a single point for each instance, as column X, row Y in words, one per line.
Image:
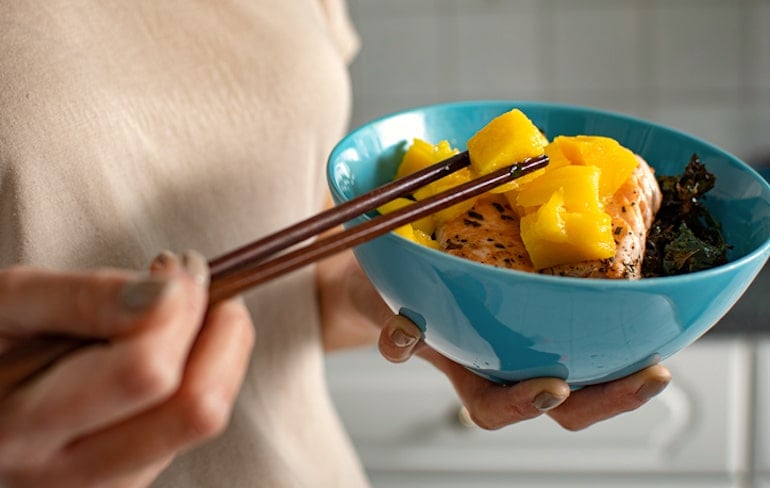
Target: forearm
column 352, row 312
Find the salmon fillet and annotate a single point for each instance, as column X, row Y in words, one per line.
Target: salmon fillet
column 489, row 232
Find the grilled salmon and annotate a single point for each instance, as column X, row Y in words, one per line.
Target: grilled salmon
column 489, row 232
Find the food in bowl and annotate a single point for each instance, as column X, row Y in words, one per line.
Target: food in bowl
column 508, row 325
column 587, row 214
column 685, row 237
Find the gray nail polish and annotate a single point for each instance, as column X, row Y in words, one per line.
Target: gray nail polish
column 545, row 401
column 141, row 295
column 195, row 264
column 164, row 260
column 402, row 339
column 650, row 389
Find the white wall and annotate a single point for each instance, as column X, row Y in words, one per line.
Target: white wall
column 702, row 66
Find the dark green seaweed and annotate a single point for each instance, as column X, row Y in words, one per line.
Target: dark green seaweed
column 685, row 237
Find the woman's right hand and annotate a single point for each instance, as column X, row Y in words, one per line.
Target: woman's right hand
column 164, row 378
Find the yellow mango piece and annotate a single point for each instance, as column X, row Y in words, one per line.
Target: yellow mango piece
column 409, row 232
column 579, row 184
column 443, row 150
column 393, row 205
column 591, row 233
column 422, row 154
column 405, row 231
column 426, row 240
column 425, row 225
column 556, row 160
column 446, row 183
column 553, row 235
column 414, row 231
column 556, row 157
column 505, row 140
column 616, row 162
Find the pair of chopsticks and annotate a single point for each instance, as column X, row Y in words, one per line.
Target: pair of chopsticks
column 249, row 266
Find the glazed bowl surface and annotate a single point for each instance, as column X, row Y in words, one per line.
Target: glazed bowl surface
column 510, row 325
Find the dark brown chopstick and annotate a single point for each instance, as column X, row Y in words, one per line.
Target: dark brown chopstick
column 249, row 265
column 283, row 239
column 246, row 277
column 23, row 362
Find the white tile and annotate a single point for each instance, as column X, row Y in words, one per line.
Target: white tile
column 757, row 136
column 503, row 7
column 398, row 56
column 392, row 8
column 366, row 108
column 593, row 46
column 697, row 45
column 497, row 52
column 759, row 44
column 724, row 124
column 623, row 102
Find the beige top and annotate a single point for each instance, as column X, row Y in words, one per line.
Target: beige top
column 131, row 127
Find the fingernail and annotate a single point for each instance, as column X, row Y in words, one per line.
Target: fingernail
column 163, row 260
column 546, row 400
column 402, row 339
column 195, row 264
column 141, row 295
column 650, row 390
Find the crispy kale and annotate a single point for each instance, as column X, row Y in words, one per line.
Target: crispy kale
column 685, row 237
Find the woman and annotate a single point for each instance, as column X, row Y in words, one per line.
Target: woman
column 133, row 127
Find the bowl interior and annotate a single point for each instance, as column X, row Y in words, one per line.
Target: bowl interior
column 369, row 156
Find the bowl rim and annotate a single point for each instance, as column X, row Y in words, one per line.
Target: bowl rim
column 640, row 284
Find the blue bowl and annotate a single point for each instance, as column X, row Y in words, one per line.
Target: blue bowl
column 508, row 325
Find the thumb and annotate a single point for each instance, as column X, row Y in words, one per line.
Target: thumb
column 399, row 339
column 95, row 304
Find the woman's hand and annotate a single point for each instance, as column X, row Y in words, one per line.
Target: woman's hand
column 492, row 406
column 354, row 315
column 164, row 378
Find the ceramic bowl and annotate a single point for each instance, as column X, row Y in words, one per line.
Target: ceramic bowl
column 508, row 325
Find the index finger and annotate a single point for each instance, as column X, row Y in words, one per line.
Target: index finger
column 94, row 304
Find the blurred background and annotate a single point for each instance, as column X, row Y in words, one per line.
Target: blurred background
column 701, row 66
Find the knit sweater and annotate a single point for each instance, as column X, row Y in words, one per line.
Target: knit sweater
column 131, row 127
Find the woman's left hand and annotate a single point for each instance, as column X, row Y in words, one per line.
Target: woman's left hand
column 492, row 406
column 353, row 315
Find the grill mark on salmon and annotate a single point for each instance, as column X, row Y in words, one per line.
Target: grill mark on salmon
column 488, row 233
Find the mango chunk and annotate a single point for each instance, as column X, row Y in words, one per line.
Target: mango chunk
column 424, row 239
column 579, row 186
column 616, row 162
column 561, row 206
column 409, row 232
column 414, row 231
column 422, row 154
column 553, row 235
column 505, row 140
column 426, row 225
column 446, row 183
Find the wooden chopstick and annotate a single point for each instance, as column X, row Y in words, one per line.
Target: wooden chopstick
column 248, row 266
column 283, row 239
column 245, row 277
